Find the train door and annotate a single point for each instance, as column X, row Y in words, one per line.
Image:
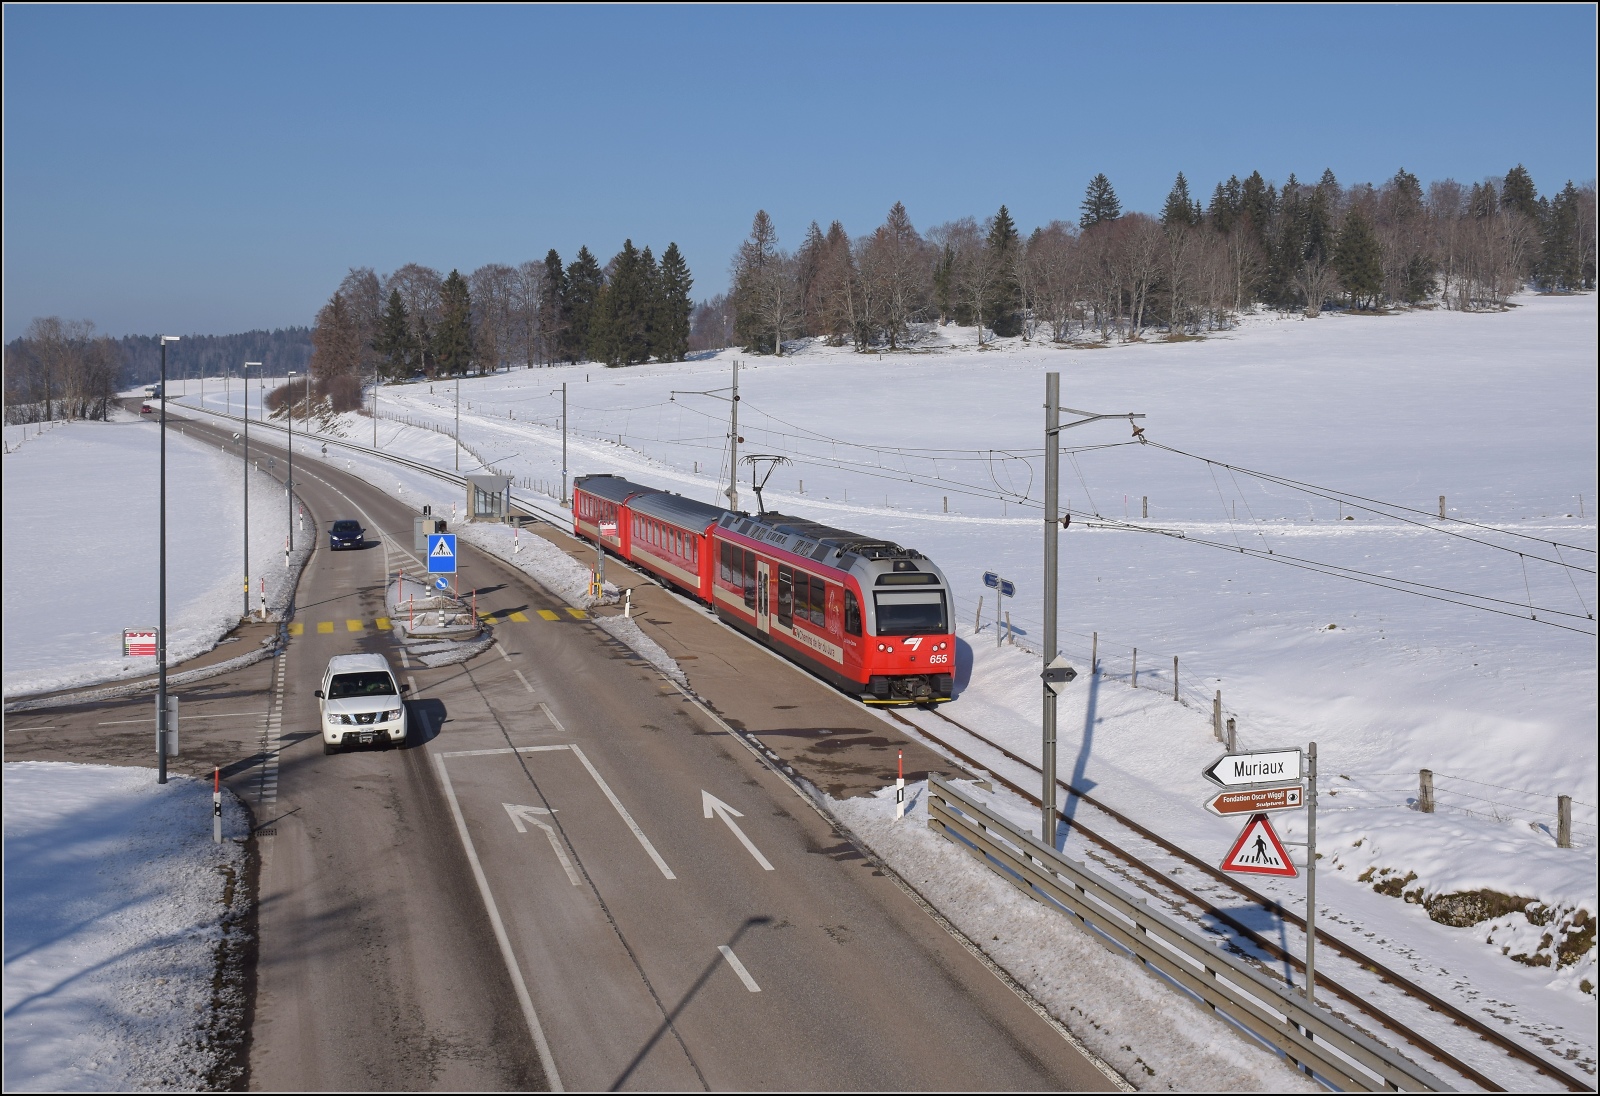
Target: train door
column 763, row 588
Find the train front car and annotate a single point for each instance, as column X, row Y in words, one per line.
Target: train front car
column 867, row 615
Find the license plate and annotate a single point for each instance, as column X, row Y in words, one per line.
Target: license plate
column 366, row 737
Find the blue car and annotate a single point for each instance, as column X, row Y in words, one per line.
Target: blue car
column 347, row 534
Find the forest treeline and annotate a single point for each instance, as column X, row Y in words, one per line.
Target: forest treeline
column 417, row 321
column 1116, row 275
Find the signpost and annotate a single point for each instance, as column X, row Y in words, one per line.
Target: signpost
column 608, row 528
column 1258, row 801
column 1005, row 588
column 139, row 643
column 1258, row 767
column 441, row 553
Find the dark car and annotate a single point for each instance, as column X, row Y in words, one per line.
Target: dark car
column 347, row 534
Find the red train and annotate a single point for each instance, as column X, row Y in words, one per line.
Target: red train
column 866, row 615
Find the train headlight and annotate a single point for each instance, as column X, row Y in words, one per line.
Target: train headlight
column 880, row 647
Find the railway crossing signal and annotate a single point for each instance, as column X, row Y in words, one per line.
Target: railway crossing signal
column 1259, row 851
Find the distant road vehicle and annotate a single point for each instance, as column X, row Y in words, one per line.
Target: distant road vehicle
column 153, row 391
column 146, row 409
column 347, row 534
column 868, row 616
column 360, row 703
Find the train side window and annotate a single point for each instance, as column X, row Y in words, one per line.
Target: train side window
column 726, row 563
column 786, row 579
column 819, row 602
column 749, row 578
column 852, row 613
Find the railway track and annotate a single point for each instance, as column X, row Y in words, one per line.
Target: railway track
column 1240, row 937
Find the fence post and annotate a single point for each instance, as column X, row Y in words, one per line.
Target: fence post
column 1441, row 507
column 1233, row 736
column 1174, row 677
column 1563, row 821
column 1216, row 716
column 1146, row 508
column 1425, row 791
column 1094, row 656
column 1011, row 637
column 977, row 620
column 1135, row 679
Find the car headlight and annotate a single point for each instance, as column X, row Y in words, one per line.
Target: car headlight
column 389, row 717
column 341, row 719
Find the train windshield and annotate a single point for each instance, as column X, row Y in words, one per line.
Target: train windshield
column 912, row 614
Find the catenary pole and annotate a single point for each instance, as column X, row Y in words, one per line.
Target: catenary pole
column 288, row 488
column 161, row 628
column 1311, row 873
column 565, row 501
column 245, row 384
column 458, row 423
column 1052, row 455
column 733, row 440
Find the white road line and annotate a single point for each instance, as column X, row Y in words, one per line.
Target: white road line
column 535, row 1029
column 411, row 681
column 187, row 718
column 502, row 651
column 738, row 968
column 405, row 662
column 623, row 811
column 520, row 678
column 504, row 750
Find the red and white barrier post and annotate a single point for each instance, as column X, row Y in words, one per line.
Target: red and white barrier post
column 900, row 787
column 216, row 806
column 263, row 599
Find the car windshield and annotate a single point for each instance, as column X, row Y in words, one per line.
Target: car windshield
column 345, row 527
column 370, row 683
column 908, row 614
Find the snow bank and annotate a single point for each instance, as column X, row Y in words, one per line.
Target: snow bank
column 115, row 916
column 81, row 543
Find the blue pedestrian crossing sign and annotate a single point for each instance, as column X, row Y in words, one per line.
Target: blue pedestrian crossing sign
column 441, row 553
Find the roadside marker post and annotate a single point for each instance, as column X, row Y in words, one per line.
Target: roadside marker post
column 216, row 806
column 900, row 787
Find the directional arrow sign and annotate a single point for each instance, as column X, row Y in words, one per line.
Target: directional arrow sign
column 1260, row 767
column 991, row 580
column 520, row 815
column 441, row 553
column 1258, row 851
column 728, row 814
column 1258, row 800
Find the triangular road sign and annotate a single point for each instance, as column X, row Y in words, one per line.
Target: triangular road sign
column 442, row 549
column 1259, row 851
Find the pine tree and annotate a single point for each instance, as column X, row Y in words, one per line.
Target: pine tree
column 1099, row 203
column 1357, row 259
column 1517, row 193
column 584, row 283
column 394, row 343
column 1003, row 251
column 1179, row 209
column 1561, row 264
column 452, row 339
column 554, row 318
column 618, row 324
column 673, row 307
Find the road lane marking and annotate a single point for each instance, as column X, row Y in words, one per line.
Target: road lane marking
column 297, row 628
column 405, row 660
column 188, row 717
column 548, row 615
column 325, row 627
column 501, row 648
column 520, row 618
column 714, row 805
column 490, row 618
column 382, row 624
column 520, row 814
column 520, row 678
column 577, row 614
column 738, row 968
column 546, row 1059
column 355, row 625
column 411, row 681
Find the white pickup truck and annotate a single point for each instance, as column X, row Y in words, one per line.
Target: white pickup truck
column 360, row 703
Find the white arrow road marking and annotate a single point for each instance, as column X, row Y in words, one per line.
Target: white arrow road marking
column 520, row 814
column 728, row 814
column 733, row 960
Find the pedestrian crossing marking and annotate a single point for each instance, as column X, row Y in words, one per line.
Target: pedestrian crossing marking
column 354, row 625
column 382, row 624
column 490, row 618
column 325, row 627
column 297, row 629
column 520, row 618
column 548, row 615
column 577, row 614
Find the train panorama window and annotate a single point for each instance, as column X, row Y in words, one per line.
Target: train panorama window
column 911, row 614
column 852, row 613
column 749, row 578
column 786, row 596
column 819, row 602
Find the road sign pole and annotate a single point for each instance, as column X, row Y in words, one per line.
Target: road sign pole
column 1311, row 873
column 1052, row 454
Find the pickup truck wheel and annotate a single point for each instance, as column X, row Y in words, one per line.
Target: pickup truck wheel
column 329, row 747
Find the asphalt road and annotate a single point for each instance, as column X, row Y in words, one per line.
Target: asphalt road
column 531, row 894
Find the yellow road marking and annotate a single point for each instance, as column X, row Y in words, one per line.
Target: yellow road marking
column 520, row 618
column 325, row 627
column 382, row 624
column 577, row 614
column 548, row 615
column 490, row 618
column 354, row 625
column 297, row 628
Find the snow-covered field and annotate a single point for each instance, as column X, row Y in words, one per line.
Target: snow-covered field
column 114, row 912
column 80, row 544
column 1497, row 412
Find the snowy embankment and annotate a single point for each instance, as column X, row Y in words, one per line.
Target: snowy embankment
column 941, row 451
column 81, row 549
column 123, row 931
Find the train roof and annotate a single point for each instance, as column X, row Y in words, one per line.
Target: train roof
column 814, row 539
column 677, row 509
column 612, row 488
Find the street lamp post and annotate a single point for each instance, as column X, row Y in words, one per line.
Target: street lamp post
column 246, row 386
column 161, row 628
column 288, row 488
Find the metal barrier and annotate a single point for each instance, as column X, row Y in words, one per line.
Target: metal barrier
column 1277, row 1015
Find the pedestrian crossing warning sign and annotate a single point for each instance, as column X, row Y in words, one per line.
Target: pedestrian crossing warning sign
column 441, row 553
column 1259, row 851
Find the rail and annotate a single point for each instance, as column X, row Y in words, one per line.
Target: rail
column 1310, row 1037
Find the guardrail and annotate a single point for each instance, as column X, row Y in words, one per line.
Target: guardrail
column 1311, row 1038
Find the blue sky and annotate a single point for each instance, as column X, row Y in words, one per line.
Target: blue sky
column 200, row 169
